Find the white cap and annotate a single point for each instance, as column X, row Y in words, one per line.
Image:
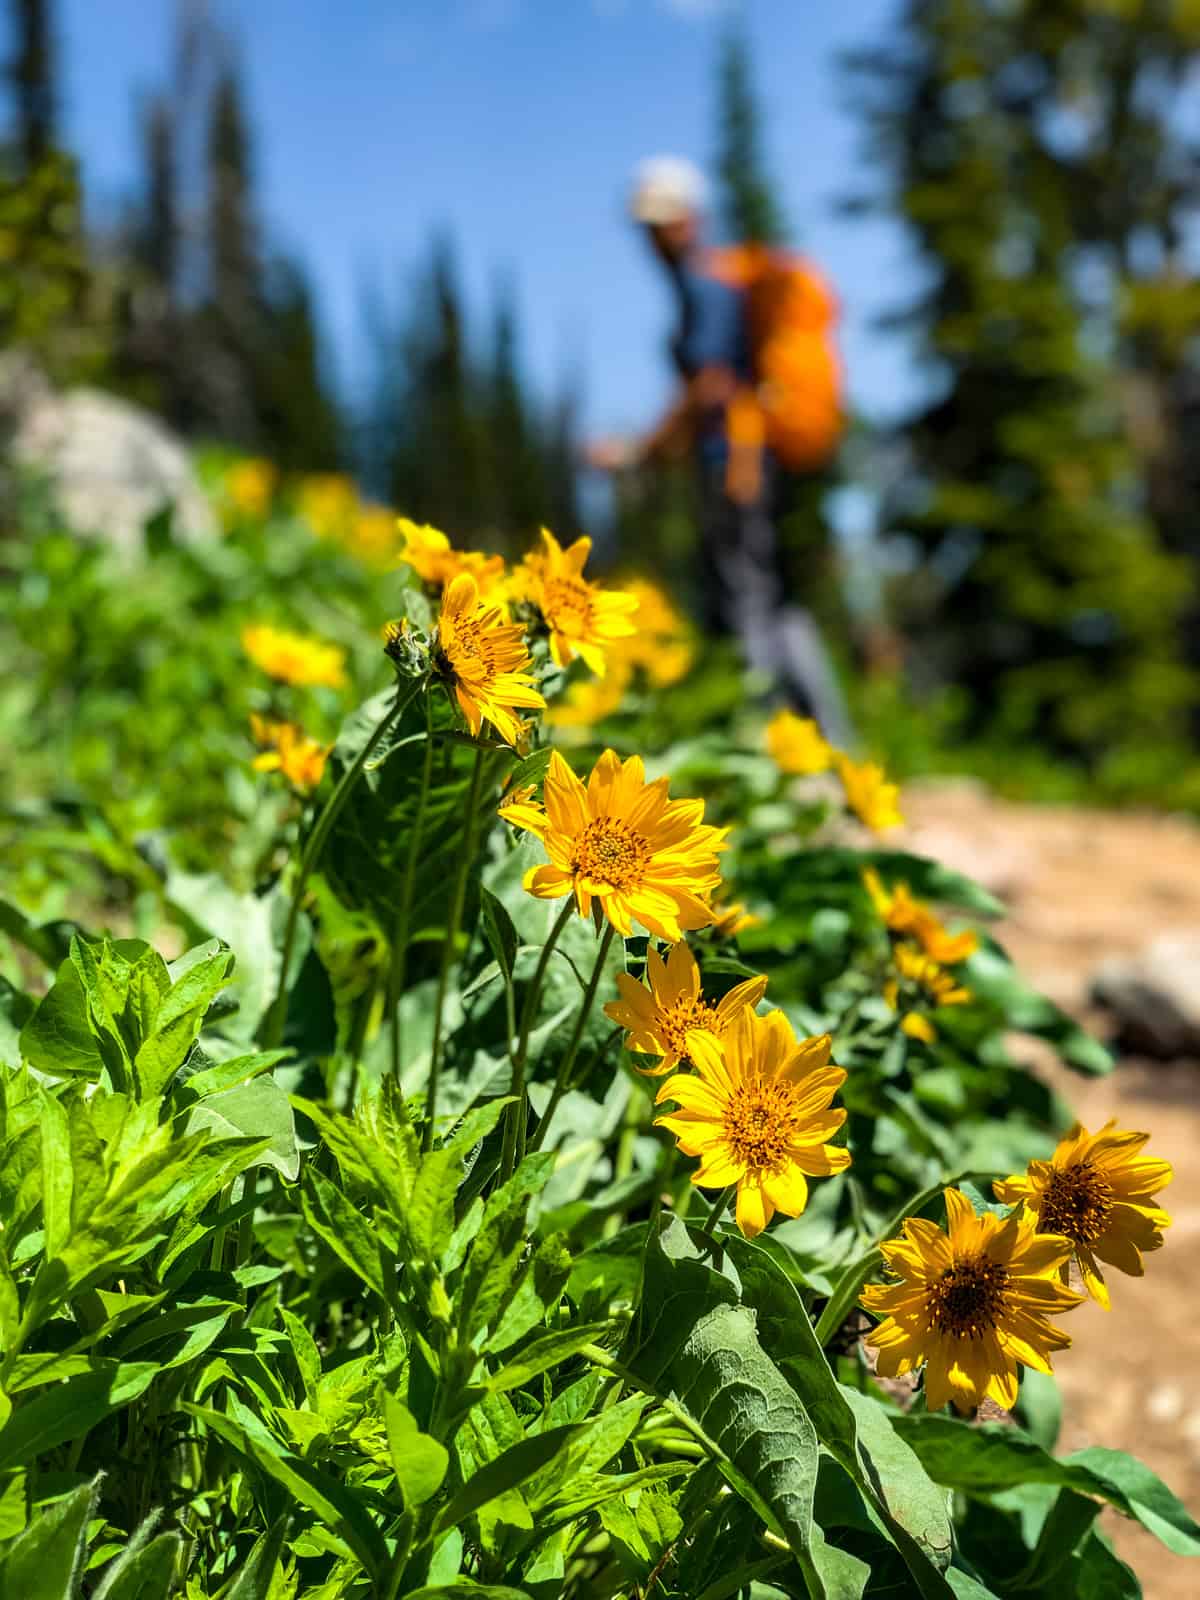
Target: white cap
column 667, row 189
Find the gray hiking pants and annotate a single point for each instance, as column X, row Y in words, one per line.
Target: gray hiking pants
column 743, row 594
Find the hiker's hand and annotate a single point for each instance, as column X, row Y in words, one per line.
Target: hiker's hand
column 610, row 455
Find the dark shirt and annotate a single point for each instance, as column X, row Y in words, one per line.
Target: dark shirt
column 711, row 332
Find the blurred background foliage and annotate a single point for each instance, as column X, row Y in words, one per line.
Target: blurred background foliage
column 1026, row 605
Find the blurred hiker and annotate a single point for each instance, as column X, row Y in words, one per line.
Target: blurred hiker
column 759, row 390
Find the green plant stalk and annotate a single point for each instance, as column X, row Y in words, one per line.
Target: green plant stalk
column 458, row 896
column 562, row 1077
column 849, row 1285
column 401, row 929
column 515, row 1116
column 718, row 1211
column 272, row 1028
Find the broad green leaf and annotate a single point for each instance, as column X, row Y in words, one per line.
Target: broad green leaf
column 70, row 1409
column 499, row 931
column 429, row 1220
column 306, row 1354
column 58, row 1039
column 46, row 1560
column 258, row 1109
column 991, row 1458
column 16, row 1009
column 419, row 1461
column 178, row 1019
column 57, row 1175
column 255, row 1580
column 915, row 1503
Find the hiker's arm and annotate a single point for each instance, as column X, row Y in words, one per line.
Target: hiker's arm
column 672, row 434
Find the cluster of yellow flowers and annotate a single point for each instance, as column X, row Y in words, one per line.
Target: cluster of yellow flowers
column 300, row 661
column 974, row 1299
column 922, row 950
column 662, row 649
column 248, row 488
column 331, row 505
column 798, row 746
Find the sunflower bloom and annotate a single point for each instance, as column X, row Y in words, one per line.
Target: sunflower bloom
column 286, row 748
column 484, row 659
column 624, row 845
column 436, row 561
column 902, row 913
column 1097, row 1190
column 797, row 745
column 582, row 618
column 757, row 1112
column 972, row 1301
column 659, row 1015
column 294, row 657
column 869, row 795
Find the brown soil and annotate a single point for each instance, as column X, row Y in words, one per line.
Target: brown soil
column 1081, row 886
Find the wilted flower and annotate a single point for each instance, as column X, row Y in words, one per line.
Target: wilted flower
column 294, row 657
column 660, row 1013
column 1097, row 1190
column 622, row 843
column 972, row 1301
column 758, row 1114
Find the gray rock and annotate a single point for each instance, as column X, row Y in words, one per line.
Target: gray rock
column 109, row 465
column 1155, row 997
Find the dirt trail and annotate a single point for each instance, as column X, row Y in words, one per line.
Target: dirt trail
column 1081, row 886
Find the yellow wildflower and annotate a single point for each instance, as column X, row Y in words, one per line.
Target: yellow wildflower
column 582, row 619
column 869, row 794
column 484, row 659
column 590, row 700
column 373, row 537
column 916, row 970
column 436, row 561
column 757, row 1113
column 659, row 1015
column 797, row 745
column 622, row 843
column 327, row 501
column 903, row 913
column 661, row 646
column 730, row 920
column 1097, row 1190
column 289, row 750
column 972, row 1301
column 294, row 657
column 250, row 486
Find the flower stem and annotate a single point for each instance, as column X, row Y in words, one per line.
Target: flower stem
column 718, row 1210
column 563, row 1076
column 515, row 1116
column 458, row 895
column 271, row 1030
column 401, row 929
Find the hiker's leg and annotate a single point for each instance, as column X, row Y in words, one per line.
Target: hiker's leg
column 807, row 674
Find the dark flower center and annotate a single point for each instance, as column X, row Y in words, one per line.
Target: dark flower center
column 968, row 1299
column 1077, row 1202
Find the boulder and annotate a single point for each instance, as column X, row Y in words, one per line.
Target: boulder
column 110, row 466
column 1154, row 997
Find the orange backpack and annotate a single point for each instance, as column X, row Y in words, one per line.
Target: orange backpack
column 795, row 408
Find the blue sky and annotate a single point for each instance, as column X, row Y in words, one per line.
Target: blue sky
column 514, row 125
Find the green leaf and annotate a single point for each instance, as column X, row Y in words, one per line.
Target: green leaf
column 178, row 1019
column 255, row 1580
column 419, row 1461
column 16, row 1008
column 499, row 931
column 344, row 1229
column 146, row 1573
column 45, row 1562
column 539, row 1355
column 909, row 1495
column 258, row 1109
column 58, row 1039
column 464, row 1589
column 69, row 1410
column 510, row 1469
column 991, row 1458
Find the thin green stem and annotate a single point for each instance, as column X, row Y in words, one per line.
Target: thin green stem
column 457, row 897
column 562, row 1077
column 515, row 1117
column 718, row 1210
column 401, row 929
column 273, row 1023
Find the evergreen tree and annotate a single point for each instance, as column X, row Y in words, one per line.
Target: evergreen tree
column 1040, row 586
column 32, row 74
column 298, row 422
column 749, row 207
column 517, row 464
